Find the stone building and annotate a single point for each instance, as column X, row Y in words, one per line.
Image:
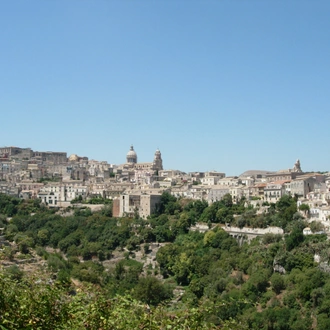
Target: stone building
column 216, row 193
column 29, row 187
column 55, row 193
column 229, row 181
column 170, row 173
column 258, row 190
column 306, row 183
column 136, row 203
column 143, row 172
column 156, row 165
column 289, row 174
column 50, row 157
column 274, row 191
column 212, row 178
column 15, row 153
column 11, row 153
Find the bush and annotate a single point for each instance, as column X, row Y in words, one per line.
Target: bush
column 146, row 248
column 271, row 238
column 277, row 282
column 14, row 272
column 150, row 290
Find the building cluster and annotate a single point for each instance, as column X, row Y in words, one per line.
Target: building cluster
column 136, row 187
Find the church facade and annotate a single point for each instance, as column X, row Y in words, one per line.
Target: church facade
column 143, row 171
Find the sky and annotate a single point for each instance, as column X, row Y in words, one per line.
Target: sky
column 215, row 85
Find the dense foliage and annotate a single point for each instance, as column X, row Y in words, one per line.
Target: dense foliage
column 34, row 305
column 269, row 283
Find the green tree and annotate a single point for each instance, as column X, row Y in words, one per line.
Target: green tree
column 304, row 208
column 166, row 204
column 294, row 239
column 227, row 200
column 43, row 237
column 277, row 282
column 150, row 290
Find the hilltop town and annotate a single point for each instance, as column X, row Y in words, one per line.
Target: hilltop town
column 247, row 250
column 135, row 187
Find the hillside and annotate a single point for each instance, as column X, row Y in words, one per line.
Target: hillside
column 84, row 261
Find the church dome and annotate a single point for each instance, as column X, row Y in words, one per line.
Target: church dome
column 73, row 158
column 131, row 156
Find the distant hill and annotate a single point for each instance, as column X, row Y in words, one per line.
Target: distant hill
column 255, row 173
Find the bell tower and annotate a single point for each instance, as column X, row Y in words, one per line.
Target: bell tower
column 158, row 162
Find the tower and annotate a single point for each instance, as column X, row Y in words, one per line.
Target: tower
column 158, row 162
column 296, row 167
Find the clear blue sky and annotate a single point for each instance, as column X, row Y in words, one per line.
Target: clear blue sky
column 215, row 85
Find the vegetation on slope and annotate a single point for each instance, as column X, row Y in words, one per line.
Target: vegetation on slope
column 222, row 284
